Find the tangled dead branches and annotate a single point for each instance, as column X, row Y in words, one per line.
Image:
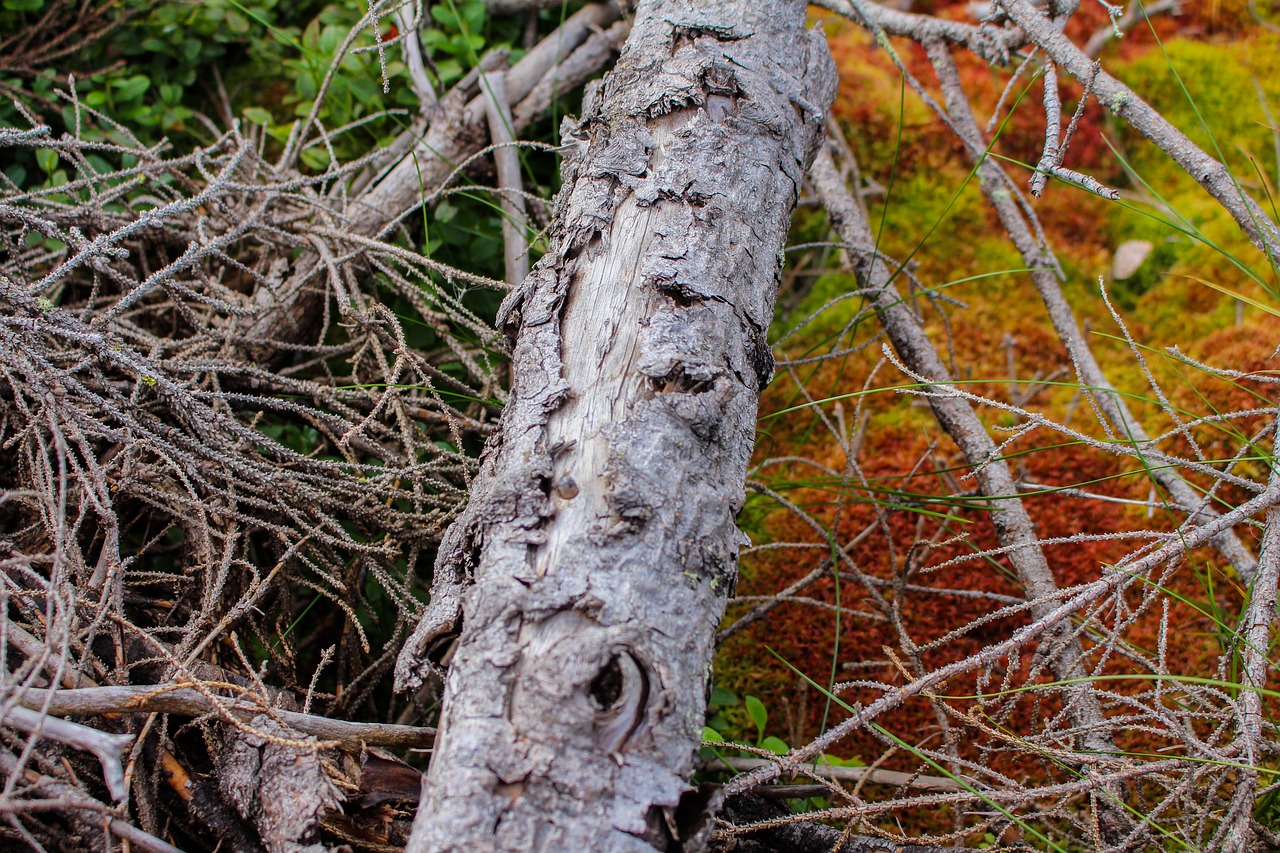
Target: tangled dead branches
column 237, row 411
column 168, row 503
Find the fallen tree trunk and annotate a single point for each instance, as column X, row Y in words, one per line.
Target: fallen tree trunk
column 591, row 568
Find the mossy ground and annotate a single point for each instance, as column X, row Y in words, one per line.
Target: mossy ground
column 999, row 337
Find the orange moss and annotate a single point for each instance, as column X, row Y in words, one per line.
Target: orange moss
column 910, row 474
column 804, row 636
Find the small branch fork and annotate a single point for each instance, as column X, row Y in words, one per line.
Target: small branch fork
column 1055, row 149
column 1118, row 24
column 1014, row 527
column 426, row 158
column 1211, row 174
column 109, row 749
column 1023, row 228
column 64, row 797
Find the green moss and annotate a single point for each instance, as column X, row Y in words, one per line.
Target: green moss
column 1223, row 114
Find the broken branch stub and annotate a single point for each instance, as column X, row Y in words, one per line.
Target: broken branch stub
column 591, row 568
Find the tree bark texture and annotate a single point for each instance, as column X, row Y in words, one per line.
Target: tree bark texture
column 591, row 567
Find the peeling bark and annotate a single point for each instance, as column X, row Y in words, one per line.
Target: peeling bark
column 591, row 568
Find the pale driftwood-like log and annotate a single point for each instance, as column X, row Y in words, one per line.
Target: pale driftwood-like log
column 85, row 810
column 506, row 159
column 409, row 21
column 108, row 748
column 595, row 557
column 577, row 68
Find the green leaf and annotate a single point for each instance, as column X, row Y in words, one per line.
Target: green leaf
column 450, row 69
column 23, row 5
column 710, row 735
column 759, row 716
column 775, row 745
column 833, row 761
column 257, row 115
column 723, row 698
column 444, row 15
column 238, row 24
column 307, row 87
column 47, row 159
column 330, row 38
column 280, row 133
column 170, row 94
column 131, row 87
column 473, row 14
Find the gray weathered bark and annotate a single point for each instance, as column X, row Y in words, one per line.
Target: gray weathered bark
column 600, row 545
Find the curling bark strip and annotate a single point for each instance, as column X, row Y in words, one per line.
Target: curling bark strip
column 591, row 567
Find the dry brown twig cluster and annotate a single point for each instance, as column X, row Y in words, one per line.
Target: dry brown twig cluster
column 171, row 326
